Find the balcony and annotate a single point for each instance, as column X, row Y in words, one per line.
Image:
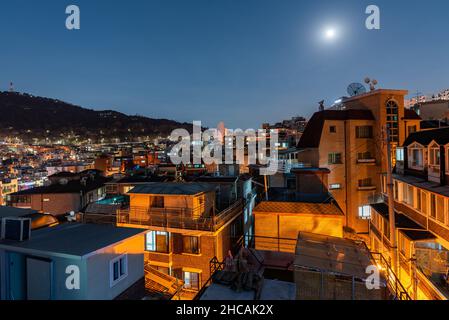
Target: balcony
column 179, row 218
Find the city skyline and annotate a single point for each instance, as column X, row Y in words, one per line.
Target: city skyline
column 233, row 61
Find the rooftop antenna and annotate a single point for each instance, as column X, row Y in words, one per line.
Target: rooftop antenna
column 372, row 83
column 11, row 87
column 321, row 107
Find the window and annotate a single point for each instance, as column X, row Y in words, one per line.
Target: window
column 158, row 202
column 415, row 155
column 335, row 158
column 418, row 200
column 333, row 129
column 364, row 132
column 400, row 154
column 396, row 191
column 408, row 197
column 190, row 244
column 191, row 281
column 434, row 156
column 393, row 121
column 365, row 183
column 365, row 212
column 447, row 160
column 433, row 206
column 157, row 241
column 364, row 156
column 424, row 207
column 440, row 209
column 118, row 269
column 411, row 129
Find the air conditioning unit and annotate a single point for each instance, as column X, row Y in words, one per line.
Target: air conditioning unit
column 16, row 229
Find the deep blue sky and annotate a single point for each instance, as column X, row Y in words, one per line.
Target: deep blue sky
column 241, row 61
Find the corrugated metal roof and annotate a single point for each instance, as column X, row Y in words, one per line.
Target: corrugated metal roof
column 331, row 254
column 299, row 208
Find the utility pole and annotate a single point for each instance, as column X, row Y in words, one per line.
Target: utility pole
column 391, row 215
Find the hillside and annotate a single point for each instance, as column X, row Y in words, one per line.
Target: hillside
column 28, row 117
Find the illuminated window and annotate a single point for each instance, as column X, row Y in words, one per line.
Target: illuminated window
column 365, row 212
column 191, row 281
column 157, row 241
column 393, row 121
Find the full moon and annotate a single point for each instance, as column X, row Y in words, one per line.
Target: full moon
column 330, row 33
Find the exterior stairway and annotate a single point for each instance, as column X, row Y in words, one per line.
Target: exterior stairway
column 160, row 282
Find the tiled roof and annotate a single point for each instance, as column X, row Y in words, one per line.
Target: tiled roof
column 312, row 134
column 411, row 115
column 441, row 136
column 298, row 207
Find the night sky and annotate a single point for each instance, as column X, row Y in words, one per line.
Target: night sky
column 241, row 61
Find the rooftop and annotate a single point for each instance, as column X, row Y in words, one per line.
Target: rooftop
column 74, row 186
column 298, row 208
column 425, row 137
column 401, row 220
column 172, row 188
column 312, row 134
column 74, row 240
column 332, row 255
column 8, row 212
column 424, row 184
column 271, row 290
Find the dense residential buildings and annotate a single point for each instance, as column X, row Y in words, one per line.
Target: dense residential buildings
column 421, row 203
column 109, row 261
column 66, row 193
column 351, row 143
column 187, row 224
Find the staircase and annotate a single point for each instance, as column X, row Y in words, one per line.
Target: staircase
column 160, row 282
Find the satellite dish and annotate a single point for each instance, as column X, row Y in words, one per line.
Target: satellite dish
column 375, row 82
column 367, row 80
column 355, row 89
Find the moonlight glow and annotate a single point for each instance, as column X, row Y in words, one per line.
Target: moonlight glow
column 330, row 33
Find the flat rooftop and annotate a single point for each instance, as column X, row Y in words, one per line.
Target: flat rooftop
column 10, row 212
column 71, row 240
column 271, row 290
column 173, row 188
column 332, row 255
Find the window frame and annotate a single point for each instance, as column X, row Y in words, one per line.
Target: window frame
column 154, row 241
column 122, row 269
column 335, row 158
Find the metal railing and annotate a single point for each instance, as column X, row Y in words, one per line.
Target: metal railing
column 393, row 283
column 179, row 218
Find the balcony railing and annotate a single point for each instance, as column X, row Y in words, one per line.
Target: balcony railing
column 179, row 218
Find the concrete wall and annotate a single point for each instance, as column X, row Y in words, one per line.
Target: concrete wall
column 287, row 227
column 98, row 269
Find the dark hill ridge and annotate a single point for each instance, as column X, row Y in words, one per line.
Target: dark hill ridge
column 25, row 115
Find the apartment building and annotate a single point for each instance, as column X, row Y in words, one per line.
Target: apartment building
column 67, row 192
column 351, row 143
column 106, row 261
column 421, row 200
column 188, row 225
column 306, row 206
column 7, row 186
